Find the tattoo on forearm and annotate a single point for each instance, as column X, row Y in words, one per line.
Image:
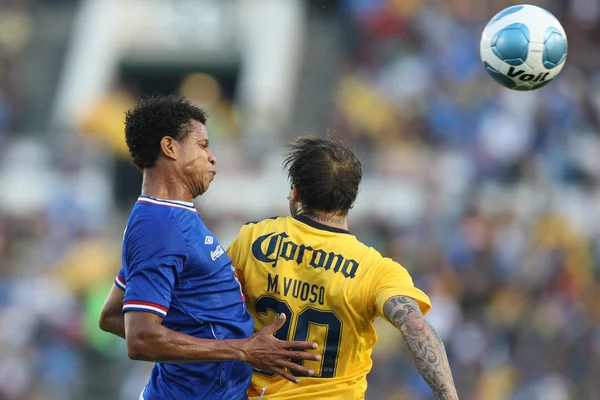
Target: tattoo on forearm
column 424, row 344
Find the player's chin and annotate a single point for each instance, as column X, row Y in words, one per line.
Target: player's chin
column 202, row 187
column 207, row 182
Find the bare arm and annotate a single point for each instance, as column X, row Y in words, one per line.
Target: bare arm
column 149, row 340
column 111, row 317
column 424, row 344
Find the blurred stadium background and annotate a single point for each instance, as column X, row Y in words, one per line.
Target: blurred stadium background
column 490, row 198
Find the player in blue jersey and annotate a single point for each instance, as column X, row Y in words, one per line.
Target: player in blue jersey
column 183, row 307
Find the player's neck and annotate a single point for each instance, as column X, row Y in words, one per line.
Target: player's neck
column 328, row 219
column 157, row 185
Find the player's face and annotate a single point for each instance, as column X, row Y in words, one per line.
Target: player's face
column 197, row 162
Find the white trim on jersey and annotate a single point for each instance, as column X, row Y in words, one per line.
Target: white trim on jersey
column 184, row 205
column 137, row 305
column 120, row 283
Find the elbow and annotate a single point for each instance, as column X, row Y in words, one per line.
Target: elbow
column 142, row 347
column 105, row 322
column 136, row 350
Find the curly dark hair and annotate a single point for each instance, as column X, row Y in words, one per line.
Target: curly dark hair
column 152, row 119
column 326, row 172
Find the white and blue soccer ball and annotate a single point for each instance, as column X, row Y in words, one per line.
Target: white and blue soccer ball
column 523, row 47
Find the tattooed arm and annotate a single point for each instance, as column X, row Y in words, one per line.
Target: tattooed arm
column 424, row 344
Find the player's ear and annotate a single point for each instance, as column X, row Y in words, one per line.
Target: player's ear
column 169, row 147
column 294, row 193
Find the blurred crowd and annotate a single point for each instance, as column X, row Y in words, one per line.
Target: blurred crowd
column 505, row 238
column 54, row 205
column 507, row 241
column 16, row 31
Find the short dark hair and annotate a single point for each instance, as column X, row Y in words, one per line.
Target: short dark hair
column 153, row 118
column 326, row 172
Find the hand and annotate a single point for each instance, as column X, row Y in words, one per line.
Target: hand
column 267, row 353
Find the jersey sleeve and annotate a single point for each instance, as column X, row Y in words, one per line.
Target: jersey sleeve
column 120, row 280
column 155, row 253
column 394, row 280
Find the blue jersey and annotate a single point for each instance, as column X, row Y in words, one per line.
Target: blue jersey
column 174, row 266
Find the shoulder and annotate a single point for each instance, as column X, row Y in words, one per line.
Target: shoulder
column 371, row 257
column 258, row 226
column 250, row 230
column 260, row 222
column 144, row 216
column 378, row 267
column 150, row 223
column 383, row 264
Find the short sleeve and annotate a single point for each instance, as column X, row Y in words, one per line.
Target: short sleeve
column 155, row 254
column 394, row 280
column 120, row 280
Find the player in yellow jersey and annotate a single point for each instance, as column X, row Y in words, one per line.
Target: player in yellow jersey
column 329, row 284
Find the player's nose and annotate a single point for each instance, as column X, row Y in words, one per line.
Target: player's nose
column 212, row 159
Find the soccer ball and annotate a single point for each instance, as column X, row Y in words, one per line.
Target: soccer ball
column 523, row 47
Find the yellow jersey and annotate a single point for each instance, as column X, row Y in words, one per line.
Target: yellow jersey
column 331, row 288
